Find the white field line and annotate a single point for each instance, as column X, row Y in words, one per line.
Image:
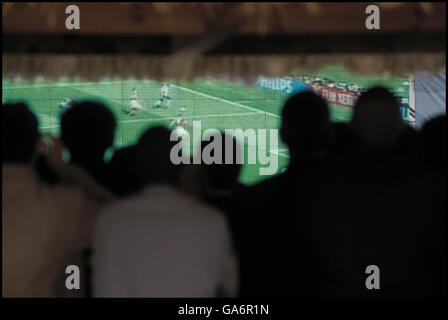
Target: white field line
column 118, row 82
column 279, row 153
column 227, row 101
column 172, row 118
column 235, row 104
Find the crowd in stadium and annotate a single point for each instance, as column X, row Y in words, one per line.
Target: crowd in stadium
column 368, row 192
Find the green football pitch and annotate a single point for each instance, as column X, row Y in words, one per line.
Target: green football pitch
column 217, row 104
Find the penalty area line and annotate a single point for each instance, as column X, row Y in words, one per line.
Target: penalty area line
column 227, row 101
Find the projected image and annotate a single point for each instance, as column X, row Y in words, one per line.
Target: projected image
column 219, row 103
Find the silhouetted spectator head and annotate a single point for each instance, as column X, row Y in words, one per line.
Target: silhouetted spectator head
column 153, row 160
column 432, row 145
column 376, row 117
column 306, row 127
column 124, row 178
column 20, row 133
column 87, row 130
column 221, row 175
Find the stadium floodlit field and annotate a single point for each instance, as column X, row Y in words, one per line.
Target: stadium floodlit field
column 217, row 104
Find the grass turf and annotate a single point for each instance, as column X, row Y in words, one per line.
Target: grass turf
column 217, row 104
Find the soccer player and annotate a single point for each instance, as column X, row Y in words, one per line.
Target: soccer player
column 135, row 105
column 67, row 103
column 181, row 132
column 179, row 125
column 165, row 99
column 180, row 120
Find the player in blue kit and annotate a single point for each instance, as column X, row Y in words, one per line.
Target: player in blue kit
column 165, row 98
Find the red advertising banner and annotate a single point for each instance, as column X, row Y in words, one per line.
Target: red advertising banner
column 336, row 96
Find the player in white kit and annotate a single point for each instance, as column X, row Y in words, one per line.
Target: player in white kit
column 134, row 104
column 67, row 103
column 165, row 98
column 179, row 125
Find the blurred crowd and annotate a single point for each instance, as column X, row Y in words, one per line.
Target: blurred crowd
column 368, row 192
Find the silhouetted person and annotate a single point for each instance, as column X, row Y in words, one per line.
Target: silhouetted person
column 152, row 160
column 124, row 178
column 88, row 130
column 376, row 117
column 219, row 179
column 215, row 183
column 161, row 242
column 376, row 209
column 42, row 226
column 224, row 177
column 431, row 150
column 270, row 223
